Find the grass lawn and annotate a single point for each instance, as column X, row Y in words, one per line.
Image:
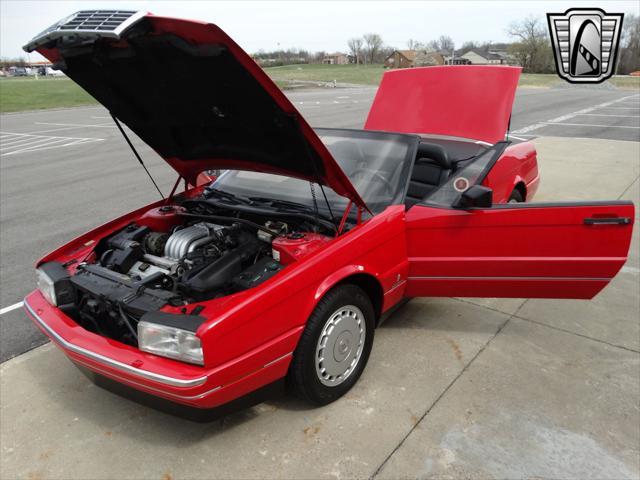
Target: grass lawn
column 356, row 74
column 631, row 83
column 18, row 94
column 539, row 80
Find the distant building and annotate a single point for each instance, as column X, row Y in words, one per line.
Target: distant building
column 479, row 57
column 400, row 59
column 456, row 61
column 336, row 59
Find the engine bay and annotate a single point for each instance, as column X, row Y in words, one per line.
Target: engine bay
column 179, row 254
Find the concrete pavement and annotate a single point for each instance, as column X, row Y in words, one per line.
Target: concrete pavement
column 471, row 388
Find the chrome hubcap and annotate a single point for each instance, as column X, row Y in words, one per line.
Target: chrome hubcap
column 340, row 345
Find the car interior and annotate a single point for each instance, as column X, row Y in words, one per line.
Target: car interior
column 435, row 162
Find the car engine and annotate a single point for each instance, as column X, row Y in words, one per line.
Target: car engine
column 178, row 255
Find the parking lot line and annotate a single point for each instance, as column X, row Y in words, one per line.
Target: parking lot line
column 14, row 143
column 586, row 125
column 10, row 308
column 568, row 116
column 609, row 115
column 80, row 125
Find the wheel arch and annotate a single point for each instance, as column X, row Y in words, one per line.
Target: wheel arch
column 355, row 275
column 521, row 187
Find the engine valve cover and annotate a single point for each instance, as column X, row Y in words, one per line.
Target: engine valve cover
column 188, row 239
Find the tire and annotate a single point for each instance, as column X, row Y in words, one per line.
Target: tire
column 516, row 197
column 320, row 382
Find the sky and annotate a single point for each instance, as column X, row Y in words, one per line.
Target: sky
column 311, row 25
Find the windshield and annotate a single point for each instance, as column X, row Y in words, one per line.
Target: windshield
column 377, row 164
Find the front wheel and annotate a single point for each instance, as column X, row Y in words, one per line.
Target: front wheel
column 334, row 347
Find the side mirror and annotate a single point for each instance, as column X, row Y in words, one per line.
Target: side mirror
column 477, row 196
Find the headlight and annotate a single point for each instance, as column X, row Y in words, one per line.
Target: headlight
column 46, row 286
column 170, row 342
column 53, row 282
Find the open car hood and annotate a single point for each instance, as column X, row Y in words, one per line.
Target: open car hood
column 191, row 93
column 461, row 101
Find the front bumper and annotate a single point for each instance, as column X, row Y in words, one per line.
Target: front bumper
column 185, row 384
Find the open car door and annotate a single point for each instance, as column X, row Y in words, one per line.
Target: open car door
column 526, row 250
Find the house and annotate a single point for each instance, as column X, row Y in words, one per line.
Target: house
column 336, row 59
column 479, row 57
column 449, row 60
column 400, row 59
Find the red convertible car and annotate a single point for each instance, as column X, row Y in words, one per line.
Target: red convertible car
column 280, row 270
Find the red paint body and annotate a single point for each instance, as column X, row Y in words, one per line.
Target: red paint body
column 458, row 101
column 521, row 251
column 249, row 337
column 473, row 103
column 517, row 168
column 291, row 249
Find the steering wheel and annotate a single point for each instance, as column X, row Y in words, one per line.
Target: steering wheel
column 389, row 188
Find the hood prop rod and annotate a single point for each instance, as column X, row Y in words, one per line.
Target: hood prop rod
column 173, row 190
column 135, row 152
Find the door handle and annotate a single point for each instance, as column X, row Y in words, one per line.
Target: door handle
column 607, row 221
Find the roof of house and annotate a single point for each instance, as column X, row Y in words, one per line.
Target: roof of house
column 408, row 54
column 483, row 54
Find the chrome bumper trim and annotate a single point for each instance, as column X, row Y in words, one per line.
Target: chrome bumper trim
column 142, row 386
column 156, row 377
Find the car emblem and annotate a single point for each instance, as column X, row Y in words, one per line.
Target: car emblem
column 461, row 184
column 585, row 43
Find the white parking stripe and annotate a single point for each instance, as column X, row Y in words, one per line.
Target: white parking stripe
column 69, row 144
column 81, row 125
column 14, row 143
column 586, row 125
column 10, row 308
column 621, row 108
column 21, row 142
column 569, row 116
column 608, row 115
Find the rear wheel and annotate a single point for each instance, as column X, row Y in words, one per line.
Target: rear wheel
column 334, row 347
column 516, row 197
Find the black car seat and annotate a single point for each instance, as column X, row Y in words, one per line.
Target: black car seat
column 432, row 169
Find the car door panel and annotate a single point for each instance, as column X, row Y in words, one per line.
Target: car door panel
column 569, row 250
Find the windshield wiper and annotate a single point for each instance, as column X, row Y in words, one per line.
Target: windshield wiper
column 230, row 197
column 285, row 205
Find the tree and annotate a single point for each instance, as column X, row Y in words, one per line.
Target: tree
column 629, row 45
column 373, row 43
column 469, row 45
column 355, row 48
column 532, row 51
column 433, row 45
column 446, row 44
column 412, row 44
column 425, row 58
